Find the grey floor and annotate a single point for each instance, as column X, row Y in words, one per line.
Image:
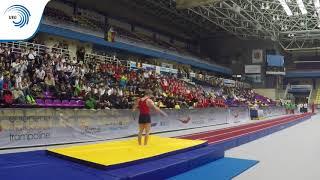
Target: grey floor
column 291, row 154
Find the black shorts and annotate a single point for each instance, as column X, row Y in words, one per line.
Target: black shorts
column 144, row 119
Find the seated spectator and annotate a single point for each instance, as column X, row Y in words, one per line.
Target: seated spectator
column 40, row 74
column 7, row 97
column 32, row 54
column 18, row 96
column 49, row 82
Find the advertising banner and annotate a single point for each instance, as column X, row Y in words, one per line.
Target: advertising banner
column 238, row 114
column 252, row 69
column 273, row 111
column 37, row 127
column 229, row 82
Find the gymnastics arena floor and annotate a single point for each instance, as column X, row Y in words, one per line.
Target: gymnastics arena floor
column 207, row 162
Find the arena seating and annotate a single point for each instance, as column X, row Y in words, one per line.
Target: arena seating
column 102, row 82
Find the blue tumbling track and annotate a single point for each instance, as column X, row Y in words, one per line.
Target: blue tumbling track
column 38, row 165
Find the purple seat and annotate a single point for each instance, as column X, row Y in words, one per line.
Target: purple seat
column 57, row 103
column 40, row 102
column 73, row 103
column 80, row 103
column 48, row 102
column 65, row 103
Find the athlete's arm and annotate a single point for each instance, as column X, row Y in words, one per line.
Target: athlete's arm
column 135, row 106
column 150, row 104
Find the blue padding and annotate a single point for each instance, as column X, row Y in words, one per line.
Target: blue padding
column 201, row 156
column 169, row 166
column 158, row 169
column 223, row 169
column 37, row 165
column 48, row 172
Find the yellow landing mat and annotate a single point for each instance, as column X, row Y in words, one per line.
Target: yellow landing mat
column 119, row 152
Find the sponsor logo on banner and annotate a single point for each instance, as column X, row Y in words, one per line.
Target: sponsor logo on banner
column 86, row 129
column 28, row 128
column 252, row 69
column 185, row 120
column 235, row 113
column 238, row 114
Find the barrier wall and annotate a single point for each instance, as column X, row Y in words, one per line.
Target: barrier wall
column 273, row 111
column 37, row 127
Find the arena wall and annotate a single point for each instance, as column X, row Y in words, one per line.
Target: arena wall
column 39, row 127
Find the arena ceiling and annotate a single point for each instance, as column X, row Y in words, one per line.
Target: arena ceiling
column 295, row 25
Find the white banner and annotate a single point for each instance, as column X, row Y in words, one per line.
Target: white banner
column 271, row 111
column 36, row 127
column 229, row 82
column 252, row 69
column 238, row 114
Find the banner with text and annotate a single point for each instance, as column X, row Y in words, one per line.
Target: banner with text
column 36, row 127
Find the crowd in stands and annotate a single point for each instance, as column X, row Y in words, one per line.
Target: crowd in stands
column 53, row 79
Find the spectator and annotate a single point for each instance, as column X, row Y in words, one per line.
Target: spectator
column 18, row 96
column 32, row 55
column 40, row 74
column 50, row 85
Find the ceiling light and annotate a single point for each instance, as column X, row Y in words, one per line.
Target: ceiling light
column 286, row 7
column 302, row 7
column 317, row 5
column 267, row 6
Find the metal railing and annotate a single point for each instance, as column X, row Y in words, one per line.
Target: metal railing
column 105, row 58
column 38, row 48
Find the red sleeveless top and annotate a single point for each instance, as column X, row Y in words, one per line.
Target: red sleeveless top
column 143, row 107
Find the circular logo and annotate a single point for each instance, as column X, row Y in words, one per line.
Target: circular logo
column 18, row 14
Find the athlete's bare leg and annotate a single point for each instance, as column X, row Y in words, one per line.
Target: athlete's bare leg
column 141, row 128
column 147, row 131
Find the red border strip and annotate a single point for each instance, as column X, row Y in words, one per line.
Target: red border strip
column 227, row 128
column 231, row 130
column 215, row 142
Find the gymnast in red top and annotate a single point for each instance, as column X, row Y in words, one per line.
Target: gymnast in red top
column 145, row 104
